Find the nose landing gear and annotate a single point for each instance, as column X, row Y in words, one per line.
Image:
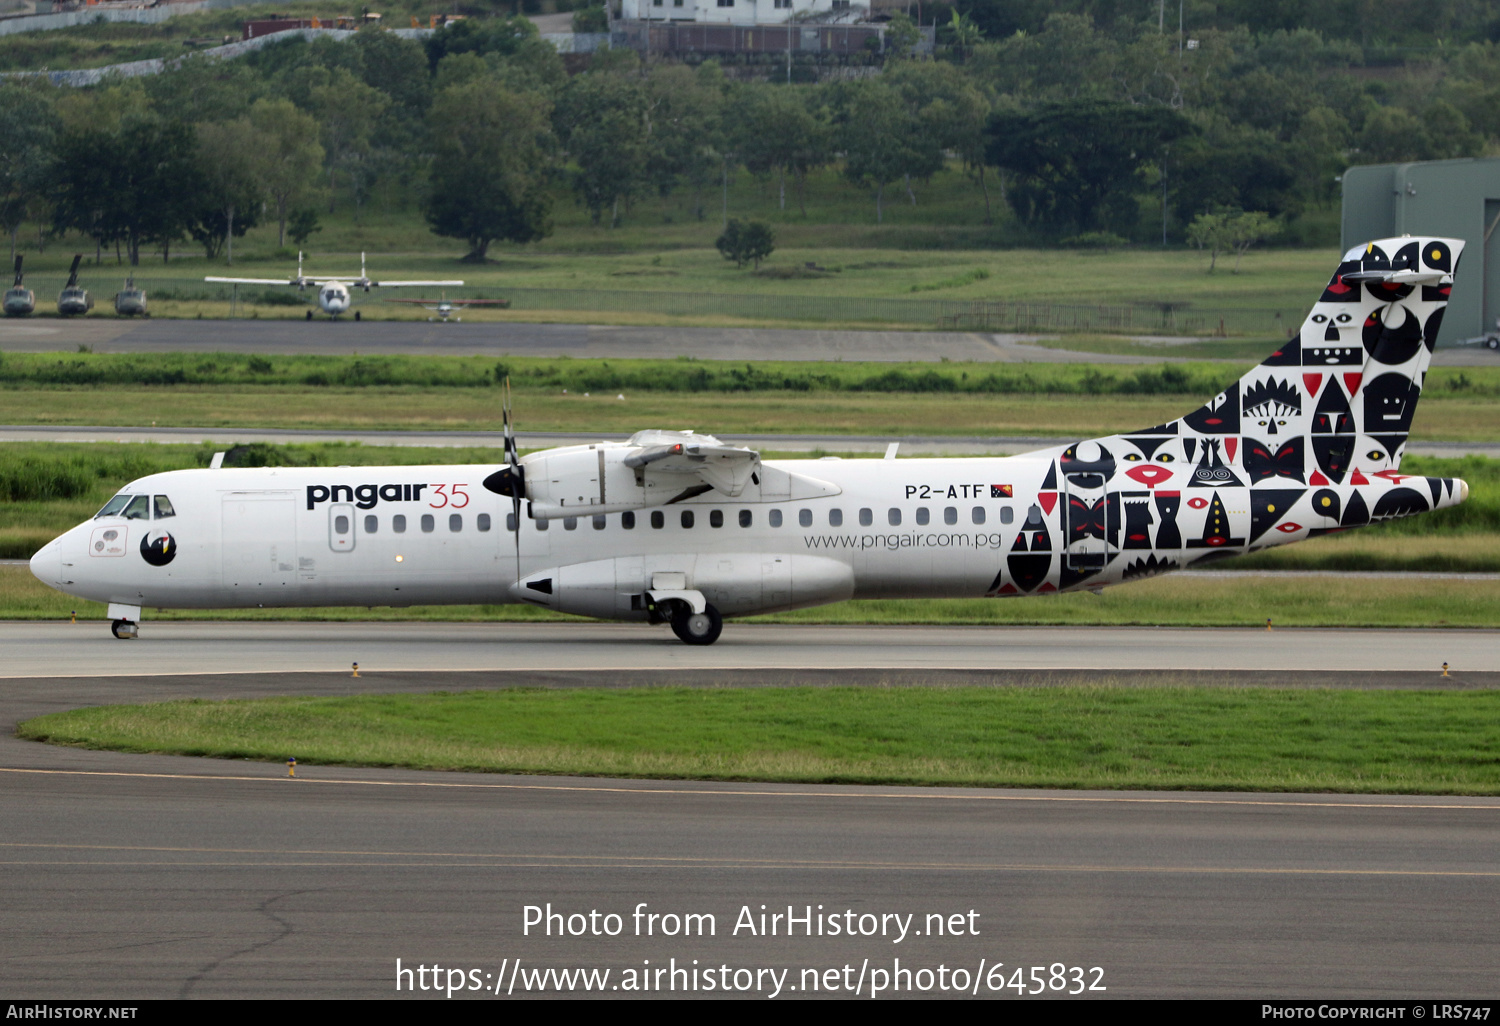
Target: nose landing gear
column 125, row 630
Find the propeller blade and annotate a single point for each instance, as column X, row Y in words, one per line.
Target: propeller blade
column 513, row 464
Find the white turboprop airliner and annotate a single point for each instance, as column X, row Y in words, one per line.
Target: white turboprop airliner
column 333, row 293
column 675, row 527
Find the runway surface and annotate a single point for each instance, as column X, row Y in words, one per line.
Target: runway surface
column 87, row 649
column 110, row 335
column 910, row 445
column 149, row 876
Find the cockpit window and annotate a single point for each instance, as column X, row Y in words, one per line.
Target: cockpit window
column 113, row 506
column 139, row 508
column 164, row 507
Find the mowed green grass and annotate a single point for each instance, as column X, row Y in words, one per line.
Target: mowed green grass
column 1180, row 600
column 1071, row 736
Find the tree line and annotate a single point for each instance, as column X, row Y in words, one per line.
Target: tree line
column 1081, row 122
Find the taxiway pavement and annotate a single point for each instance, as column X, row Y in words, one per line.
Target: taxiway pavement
column 38, row 649
column 133, row 876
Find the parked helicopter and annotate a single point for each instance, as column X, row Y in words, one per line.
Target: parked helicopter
column 73, row 299
column 131, row 301
column 19, row 300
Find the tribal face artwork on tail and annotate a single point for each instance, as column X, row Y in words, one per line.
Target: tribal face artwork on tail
column 1307, row 443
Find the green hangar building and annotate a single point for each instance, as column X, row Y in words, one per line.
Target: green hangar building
column 1459, row 199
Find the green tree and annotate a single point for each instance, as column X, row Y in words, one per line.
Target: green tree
column 232, row 156
column 746, row 242
column 778, row 134
column 1232, row 231
column 1078, row 165
column 133, row 182
column 301, row 225
column 291, row 158
column 491, row 153
column 26, row 127
column 881, row 139
column 601, row 120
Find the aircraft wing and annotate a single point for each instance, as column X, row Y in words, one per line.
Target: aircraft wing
column 254, row 281
column 724, row 467
column 401, row 284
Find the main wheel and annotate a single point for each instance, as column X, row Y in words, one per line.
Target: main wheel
column 697, row 628
column 125, row 630
column 356, row 315
column 309, row 315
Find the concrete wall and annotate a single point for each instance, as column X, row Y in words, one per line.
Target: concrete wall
column 155, row 66
column 1436, row 197
column 141, row 15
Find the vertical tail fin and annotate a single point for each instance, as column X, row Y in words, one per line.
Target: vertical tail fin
column 1338, row 398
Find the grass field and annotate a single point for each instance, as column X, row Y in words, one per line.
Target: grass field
column 1094, row 737
column 1179, row 600
column 936, row 248
column 413, row 408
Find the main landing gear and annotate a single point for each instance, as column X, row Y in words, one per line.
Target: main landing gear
column 697, row 628
column 125, row 630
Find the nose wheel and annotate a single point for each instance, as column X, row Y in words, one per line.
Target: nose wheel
column 125, row 630
column 697, row 628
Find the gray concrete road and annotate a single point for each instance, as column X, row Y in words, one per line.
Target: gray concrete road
column 154, row 877
column 87, row 649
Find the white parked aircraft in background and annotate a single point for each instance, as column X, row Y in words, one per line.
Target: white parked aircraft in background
column 334, row 291
column 676, row 527
column 444, row 307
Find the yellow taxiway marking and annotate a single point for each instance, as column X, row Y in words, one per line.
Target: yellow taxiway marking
column 927, row 795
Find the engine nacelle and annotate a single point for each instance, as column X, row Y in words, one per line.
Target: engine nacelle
column 736, row 583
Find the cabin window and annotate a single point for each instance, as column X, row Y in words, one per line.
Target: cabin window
column 893, row 517
column 428, row 523
column 835, row 518
column 658, row 520
column 687, row 518
column 372, row 524
column 627, row 520
column 804, row 517
column 1007, row 515
column 924, row 516
column 510, row 521
column 977, row 514
column 774, row 518
column 570, row 523
column 950, row 514
column 866, row 517
column 746, row 518
column 482, row 521
column 541, row 523
column 716, row 518
column 340, row 524
column 398, row 523
column 164, row 508
column 139, row 508
column 113, row 506
column 599, row 520
column 455, row 522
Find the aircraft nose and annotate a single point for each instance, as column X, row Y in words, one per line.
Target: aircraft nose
column 46, row 565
